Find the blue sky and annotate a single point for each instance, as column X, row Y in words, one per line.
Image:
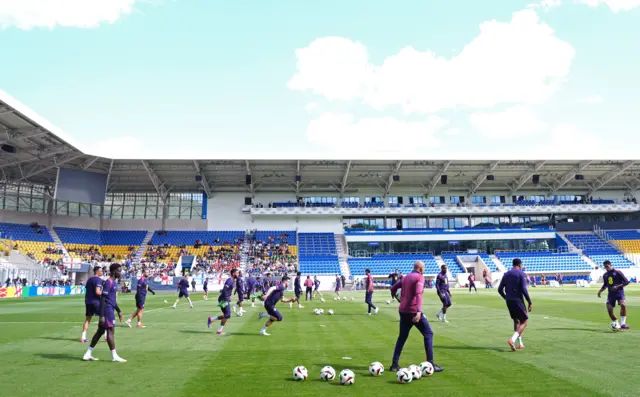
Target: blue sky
column 357, row 78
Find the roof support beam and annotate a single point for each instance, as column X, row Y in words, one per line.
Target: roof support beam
column 394, row 171
column 57, row 162
column 609, row 176
column 251, row 186
column 89, row 163
column 522, row 179
column 564, row 179
column 297, row 179
column 162, row 191
column 13, row 135
column 483, row 176
column 345, row 177
column 38, row 158
column 109, row 173
column 436, row 178
column 203, row 179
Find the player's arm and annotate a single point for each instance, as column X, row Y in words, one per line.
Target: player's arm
column 99, row 290
column 418, row 294
column 269, row 292
column 118, row 311
column 438, row 290
column 501, row 288
column 394, row 289
column 604, row 286
column 525, row 292
column 150, row 290
column 625, row 281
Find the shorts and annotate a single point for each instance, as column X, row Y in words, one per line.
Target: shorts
column 445, row 299
column 614, row 298
column 337, row 289
column 140, row 302
column 109, row 318
column 240, row 297
column 205, row 289
column 226, row 311
column 183, row 294
column 517, row 310
column 273, row 312
column 92, row 309
column 298, row 293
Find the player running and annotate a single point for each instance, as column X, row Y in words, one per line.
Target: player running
column 141, row 297
column 205, row 288
column 271, row 298
column 513, row 287
column 183, row 291
column 368, row 296
column 337, row 290
column 251, row 290
column 442, row 288
column 240, row 292
column 316, row 285
column 297, row 291
column 107, row 321
column 472, row 282
column 615, row 281
column 92, row 300
column 224, row 302
column 411, row 315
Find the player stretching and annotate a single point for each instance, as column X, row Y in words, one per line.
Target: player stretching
column 92, row 300
column 141, row 296
column 368, row 296
column 615, row 282
column 442, row 288
column 107, row 321
column 183, row 291
column 512, row 288
column 316, row 285
column 251, row 290
column 410, row 310
column 273, row 296
column 205, row 288
column 297, row 291
column 338, row 281
column 472, row 282
column 224, row 302
column 240, row 292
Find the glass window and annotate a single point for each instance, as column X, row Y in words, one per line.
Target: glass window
column 478, row 199
column 416, row 200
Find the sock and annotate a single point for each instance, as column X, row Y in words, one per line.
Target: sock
column 139, row 322
column 439, row 313
column 190, row 303
column 220, row 328
column 623, row 319
column 520, row 341
column 89, row 351
column 444, row 316
column 114, row 355
column 84, row 334
column 264, row 329
column 514, row 337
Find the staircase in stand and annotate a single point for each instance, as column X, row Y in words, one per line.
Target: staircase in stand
column 341, row 246
column 56, row 239
column 143, row 247
column 244, row 257
column 344, row 267
column 498, row 263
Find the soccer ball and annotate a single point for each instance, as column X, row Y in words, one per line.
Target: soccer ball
column 376, row 369
column 347, row 377
column 327, row 373
column 388, row 302
column 416, row 373
column 352, row 299
column 335, row 299
column 315, row 311
column 330, row 312
column 165, row 302
column 239, row 313
column 322, row 300
column 321, row 311
column 404, row 375
column 345, row 298
column 615, row 326
column 426, row 368
column 300, row 373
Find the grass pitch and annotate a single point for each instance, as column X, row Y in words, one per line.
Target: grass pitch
column 570, row 350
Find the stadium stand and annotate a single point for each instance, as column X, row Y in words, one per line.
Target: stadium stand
column 452, row 264
column 493, row 267
column 272, row 251
column 318, row 253
column 171, row 244
column 599, row 250
column 95, row 245
column 32, row 240
column 385, row 264
column 546, row 261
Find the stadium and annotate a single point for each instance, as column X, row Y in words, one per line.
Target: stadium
column 65, row 212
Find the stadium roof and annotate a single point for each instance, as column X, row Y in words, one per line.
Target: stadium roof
column 40, row 148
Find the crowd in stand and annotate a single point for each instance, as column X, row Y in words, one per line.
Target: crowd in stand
column 272, row 255
column 23, row 282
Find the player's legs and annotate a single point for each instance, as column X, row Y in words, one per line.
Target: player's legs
column 425, row 329
column 274, row 315
column 85, row 327
column 403, row 334
column 177, row 301
column 610, row 308
column 446, row 303
column 623, row 313
column 226, row 315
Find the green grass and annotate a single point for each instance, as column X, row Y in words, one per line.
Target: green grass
column 570, row 349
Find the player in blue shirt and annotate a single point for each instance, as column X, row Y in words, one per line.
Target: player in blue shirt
column 614, row 282
column 513, row 287
column 183, row 291
column 271, row 298
column 442, row 288
column 107, row 321
column 240, row 291
column 224, row 302
column 205, row 288
column 141, row 297
column 93, row 289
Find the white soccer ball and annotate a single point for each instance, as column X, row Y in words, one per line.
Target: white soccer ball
column 352, row 298
column 404, row 375
column 615, row 326
column 330, row 312
column 376, row 369
column 327, row 373
column 388, row 302
column 426, row 368
column 315, row 311
column 322, row 300
column 239, row 313
column 347, row 377
column 416, row 373
column 300, row 373
column 345, row 298
column 165, row 302
column 335, row 298
column 321, row 311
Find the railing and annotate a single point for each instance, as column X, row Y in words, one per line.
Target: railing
column 12, row 271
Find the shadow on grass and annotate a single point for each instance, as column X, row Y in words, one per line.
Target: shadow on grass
column 488, row 348
column 345, row 365
column 60, row 356
column 58, row 338
column 192, row 331
column 598, row 331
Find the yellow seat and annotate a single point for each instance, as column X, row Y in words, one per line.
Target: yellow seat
column 632, row 246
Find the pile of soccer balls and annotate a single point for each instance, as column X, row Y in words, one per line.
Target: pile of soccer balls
column 414, row 372
column 347, row 377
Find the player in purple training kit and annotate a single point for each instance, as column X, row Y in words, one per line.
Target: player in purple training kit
column 205, row 288
column 297, row 289
column 183, row 291
column 266, row 283
column 141, row 297
column 338, row 281
column 614, row 282
column 411, row 315
column 107, row 321
column 93, row 289
column 513, row 287
column 239, row 292
column 224, row 302
column 368, row 297
column 251, row 290
column 442, row 288
column 271, row 298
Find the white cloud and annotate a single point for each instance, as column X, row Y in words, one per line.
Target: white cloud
column 567, row 138
column 515, row 121
column 593, row 98
column 508, row 62
column 343, row 132
column 452, row 132
column 311, row 107
column 118, row 147
column 546, row 4
column 27, row 14
column 614, row 5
